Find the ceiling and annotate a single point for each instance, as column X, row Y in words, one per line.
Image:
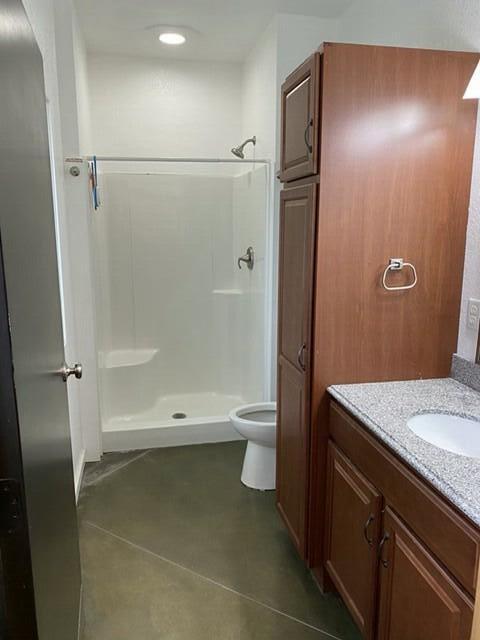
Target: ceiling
column 215, row 29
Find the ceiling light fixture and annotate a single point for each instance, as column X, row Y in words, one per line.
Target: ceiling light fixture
column 473, row 89
column 171, row 38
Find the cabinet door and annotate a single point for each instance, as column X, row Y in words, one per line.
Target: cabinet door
column 292, row 451
column 353, row 524
column 301, row 121
column 418, row 599
column 296, row 268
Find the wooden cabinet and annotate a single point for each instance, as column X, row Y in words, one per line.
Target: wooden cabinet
column 292, row 447
column 297, row 240
column 300, row 121
column 418, row 599
column 353, row 532
column 374, row 189
column 399, row 579
column 448, row 534
column 296, row 268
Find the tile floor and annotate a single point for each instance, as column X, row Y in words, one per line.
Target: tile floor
column 174, row 547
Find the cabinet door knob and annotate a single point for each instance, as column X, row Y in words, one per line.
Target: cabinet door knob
column 300, row 358
column 306, row 136
column 370, row 520
column 383, row 541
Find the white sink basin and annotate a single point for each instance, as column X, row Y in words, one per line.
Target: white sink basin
column 453, row 433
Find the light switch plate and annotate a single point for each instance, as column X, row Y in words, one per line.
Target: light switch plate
column 473, row 314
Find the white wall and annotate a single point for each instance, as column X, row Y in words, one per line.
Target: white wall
column 442, row 24
column 259, row 94
column 170, row 108
column 467, row 338
column 42, row 18
column 445, row 24
column 82, row 89
column 298, row 37
column 79, row 218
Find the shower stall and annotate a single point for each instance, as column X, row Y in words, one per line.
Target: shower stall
column 182, row 322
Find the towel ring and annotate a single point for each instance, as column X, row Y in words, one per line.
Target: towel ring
column 397, row 264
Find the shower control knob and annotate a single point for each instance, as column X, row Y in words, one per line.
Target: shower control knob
column 67, row 371
column 248, row 258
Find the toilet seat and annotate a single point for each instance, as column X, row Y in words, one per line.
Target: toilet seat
column 245, row 410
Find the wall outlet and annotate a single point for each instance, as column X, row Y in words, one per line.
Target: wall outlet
column 473, row 314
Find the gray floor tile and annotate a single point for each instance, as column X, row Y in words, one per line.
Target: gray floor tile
column 110, row 463
column 188, row 505
column 131, row 595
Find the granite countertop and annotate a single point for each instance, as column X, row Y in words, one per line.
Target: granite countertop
column 384, row 409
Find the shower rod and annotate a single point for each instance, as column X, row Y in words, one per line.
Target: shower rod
column 148, row 159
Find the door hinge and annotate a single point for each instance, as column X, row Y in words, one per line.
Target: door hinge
column 10, row 506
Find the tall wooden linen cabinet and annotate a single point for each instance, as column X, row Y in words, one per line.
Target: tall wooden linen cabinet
column 376, row 160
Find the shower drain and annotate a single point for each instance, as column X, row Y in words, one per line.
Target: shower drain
column 179, row 415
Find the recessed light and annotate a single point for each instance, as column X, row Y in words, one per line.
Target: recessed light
column 171, row 38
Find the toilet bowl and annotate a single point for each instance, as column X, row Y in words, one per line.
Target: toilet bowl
column 257, row 423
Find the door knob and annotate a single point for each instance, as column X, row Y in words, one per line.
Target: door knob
column 67, row 371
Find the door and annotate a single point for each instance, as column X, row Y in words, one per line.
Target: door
column 33, row 399
column 353, row 525
column 301, row 121
column 296, row 262
column 418, row 600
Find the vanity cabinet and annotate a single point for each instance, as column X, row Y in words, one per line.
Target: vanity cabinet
column 300, row 121
column 399, row 579
column 368, row 137
column 296, row 249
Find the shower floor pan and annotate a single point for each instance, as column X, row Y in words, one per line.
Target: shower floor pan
column 206, row 421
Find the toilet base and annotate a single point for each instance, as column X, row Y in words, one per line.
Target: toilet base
column 259, row 467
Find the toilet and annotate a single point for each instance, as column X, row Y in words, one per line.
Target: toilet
column 257, row 424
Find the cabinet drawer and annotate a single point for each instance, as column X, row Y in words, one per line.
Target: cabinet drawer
column 453, row 540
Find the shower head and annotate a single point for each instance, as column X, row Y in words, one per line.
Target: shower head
column 238, row 151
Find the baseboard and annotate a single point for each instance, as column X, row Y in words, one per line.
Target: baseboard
column 78, row 474
column 169, row 436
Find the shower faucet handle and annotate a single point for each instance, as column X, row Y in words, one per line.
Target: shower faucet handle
column 248, row 258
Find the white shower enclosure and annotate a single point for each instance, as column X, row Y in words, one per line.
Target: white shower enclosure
column 181, row 328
